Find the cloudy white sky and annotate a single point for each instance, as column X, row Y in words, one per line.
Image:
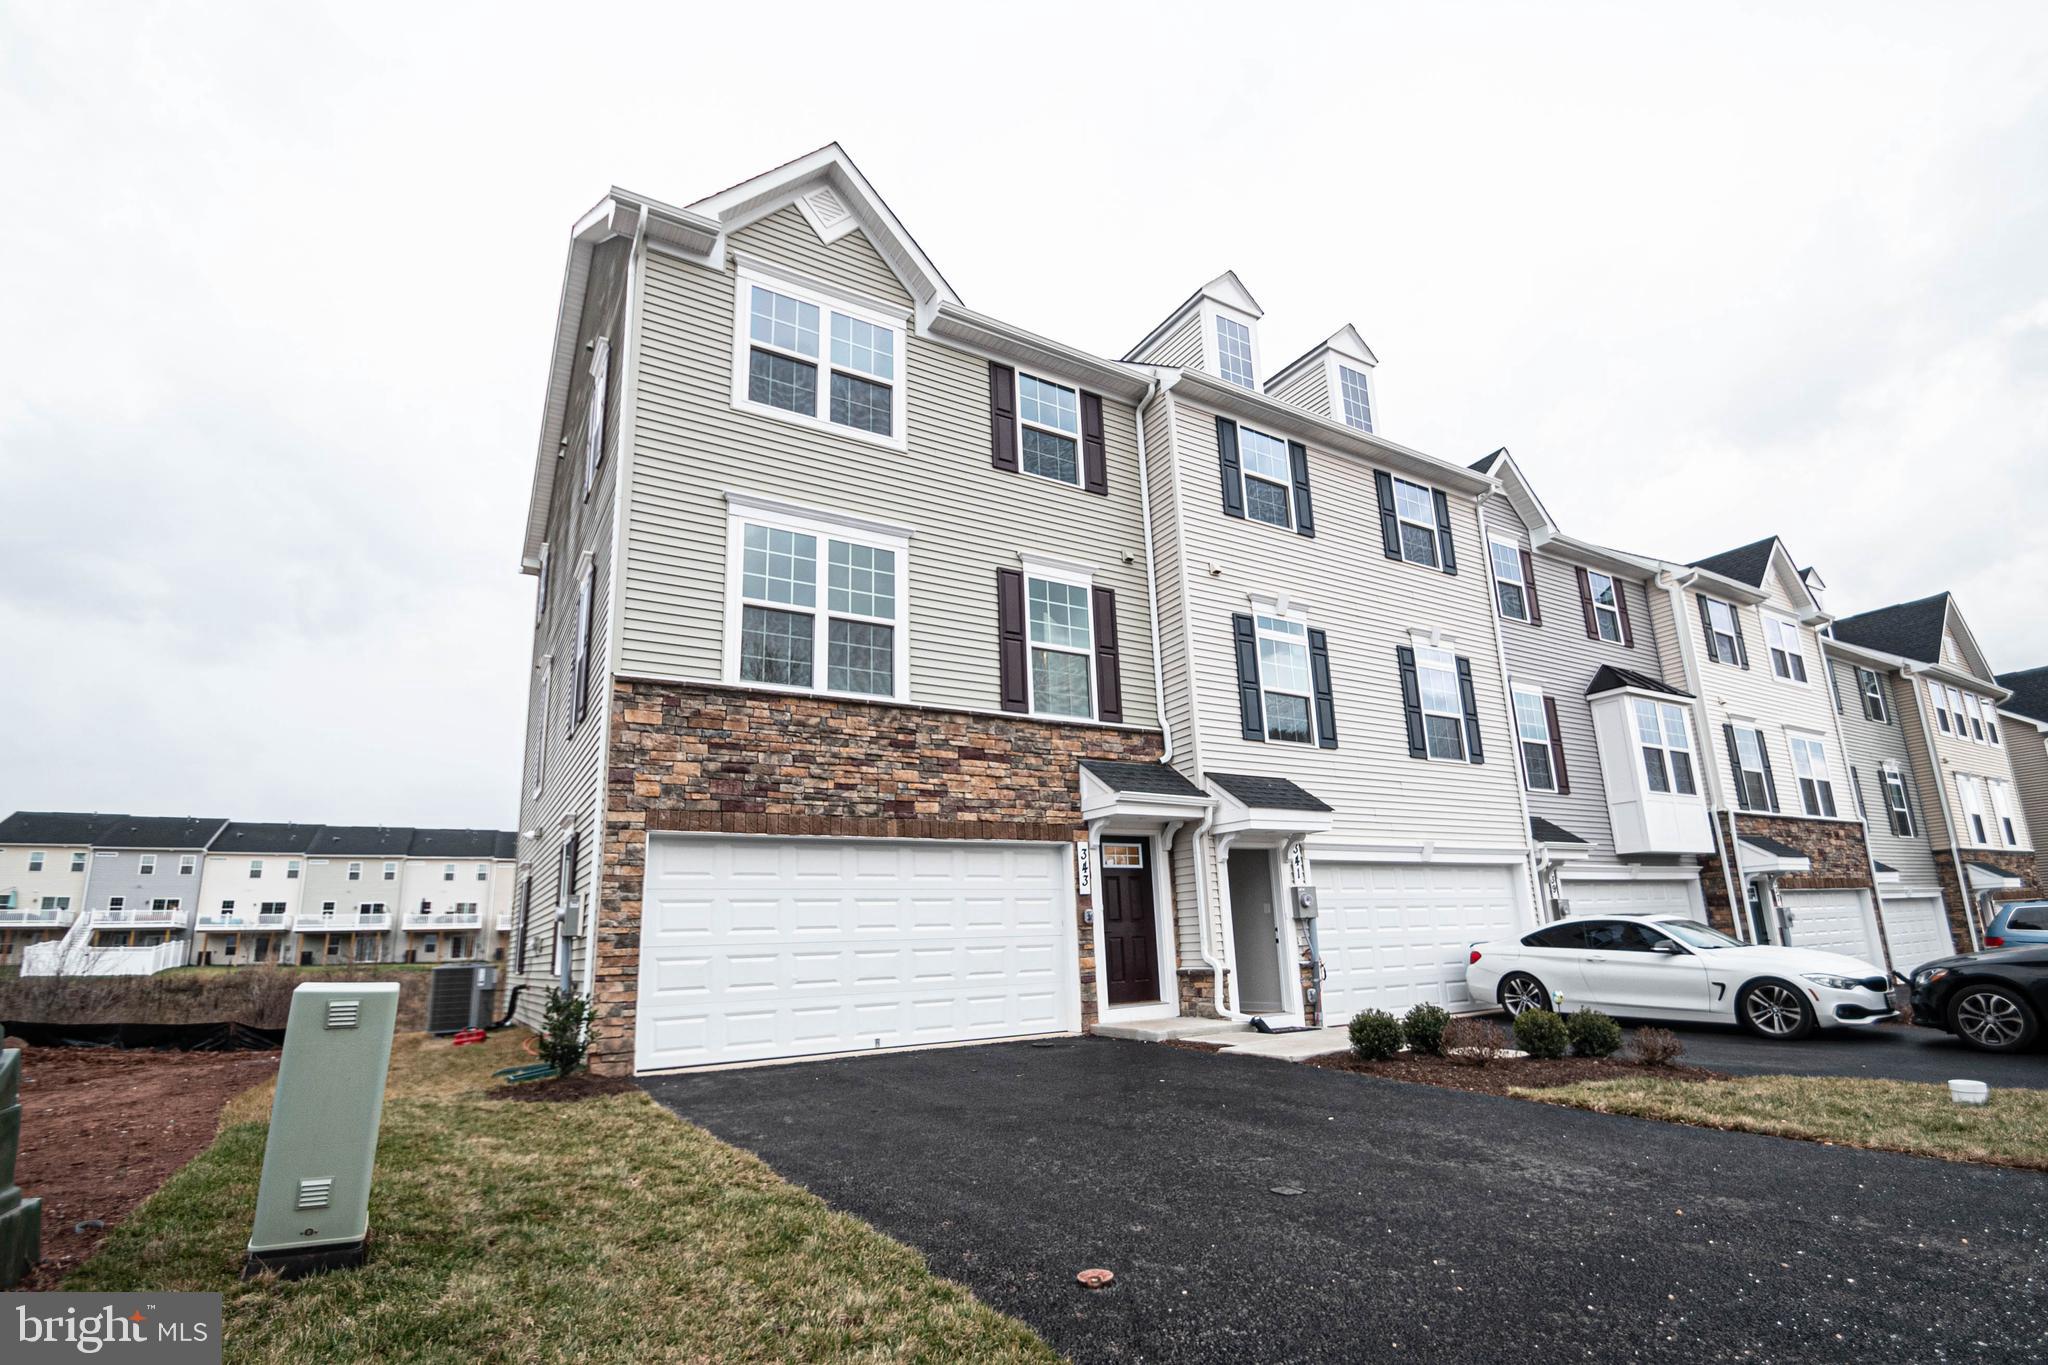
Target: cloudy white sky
column 276, row 285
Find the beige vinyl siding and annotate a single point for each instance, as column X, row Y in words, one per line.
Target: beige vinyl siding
column 966, row 518
column 1870, row 746
column 1180, row 348
column 1558, row 658
column 576, row 525
column 1167, row 553
column 1665, row 644
column 1367, row 604
column 1308, row 388
column 2028, row 751
column 852, row 262
column 1957, row 754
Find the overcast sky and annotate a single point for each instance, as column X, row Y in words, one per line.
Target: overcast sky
column 277, row 285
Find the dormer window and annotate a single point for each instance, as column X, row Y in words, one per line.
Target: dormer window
column 1234, row 351
column 818, row 360
column 1354, row 395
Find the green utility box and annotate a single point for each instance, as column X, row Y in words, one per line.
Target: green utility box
column 313, row 1209
column 21, row 1220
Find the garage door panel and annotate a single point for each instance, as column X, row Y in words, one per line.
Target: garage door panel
column 1917, row 929
column 1590, row 897
column 853, row 945
column 1394, row 935
column 1832, row 921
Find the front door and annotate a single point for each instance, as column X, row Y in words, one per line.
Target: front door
column 1130, row 938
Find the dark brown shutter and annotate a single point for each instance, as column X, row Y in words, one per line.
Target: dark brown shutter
column 1251, row 707
column 1443, row 531
column 1231, row 470
column 1094, row 455
column 1862, row 802
column 1586, row 604
column 1564, row 781
column 525, row 923
column 1474, row 750
column 1628, row 634
column 1002, row 417
column 1707, row 630
column 1015, row 659
column 1891, row 701
column 1109, row 674
column 1390, row 523
column 1741, row 645
column 1735, row 766
column 580, row 677
column 1326, row 697
column 1304, row 513
column 1529, row 589
column 1411, row 700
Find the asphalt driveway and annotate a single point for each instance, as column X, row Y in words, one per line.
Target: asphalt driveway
column 1434, row 1225
column 1899, row 1052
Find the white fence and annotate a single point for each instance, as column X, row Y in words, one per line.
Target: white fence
column 78, row 959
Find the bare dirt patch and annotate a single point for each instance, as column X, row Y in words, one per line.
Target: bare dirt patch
column 563, row 1089
column 101, row 1129
column 1193, row 1045
column 1507, row 1073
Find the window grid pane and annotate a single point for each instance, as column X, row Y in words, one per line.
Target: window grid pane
column 862, row 404
column 1357, row 396
column 779, row 382
column 1048, row 405
column 781, row 321
column 1234, row 351
column 779, row 566
column 1263, row 455
column 1530, row 719
column 776, row 647
column 1059, row 614
column 862, row 346
column 1059, row 683
column 1049, row 456
column 860, row 657
column 860, row 580
column 1507, row 561
column 1287, row 718
column 1266, row 502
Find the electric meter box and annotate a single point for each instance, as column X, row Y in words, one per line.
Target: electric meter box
column 313, row 1207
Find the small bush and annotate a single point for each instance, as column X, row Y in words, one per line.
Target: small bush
column 1375, row 1035
column 1656, row 1047
column 1424, row 1025
column 565, row 1031
column 1474, row 1042
column 1541, row 1034
column 1593, row 1034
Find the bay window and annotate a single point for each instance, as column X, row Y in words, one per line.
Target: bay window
column 1666, row 744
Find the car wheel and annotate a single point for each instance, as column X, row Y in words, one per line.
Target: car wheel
column 1992, row 1019
column 1774, row 1009
column 1520, row 991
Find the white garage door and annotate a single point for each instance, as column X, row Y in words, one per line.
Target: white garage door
column 1632, row 898
column 1833, row 921
column 753, row 949
column 1397, row 934
column 1917, row 930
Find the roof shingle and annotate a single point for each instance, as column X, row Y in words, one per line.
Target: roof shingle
column 1146, row 779
column 1911, row 630
column 2029, row 688
column 1745, row 564
column 1268, row 793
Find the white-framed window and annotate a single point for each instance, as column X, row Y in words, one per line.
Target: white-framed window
column 188, row 863
column 166, row 905
column 1749, row 752
column 1991, row 722
column 1975, row 709
column 2002, row 811
column 1354, row 394
column 577, row 704
column 1971, row 789
column 35, row 861
column 1722, row 642
column 117, row 903
column 1955, row 711
column 291, row 870
column 1816, row 780
column 327, row 908
column 1938, row 699
column 1871, row 689
column 1510, row 585
column 483, row 872
column 391, row 872
column 1048, row 429
column 1234, row 352
column 1532, row 728
column 1268, row 477
column 56, row 902
column 1606, row 596
column 255, row 869
column 1665, row 739
column 593, row 418
column 1895, row 801
column 1788, row 659
column 1443, row 706
column 78, row 860
column 1059, row 630
column 1415, row 507
column 448, row 872
column 355, row 872
column 227, row 945
column 1286, row 683
column 804, row 354
column 146, row 865
column 817, row 606
column 540, row 585
column 543, row 703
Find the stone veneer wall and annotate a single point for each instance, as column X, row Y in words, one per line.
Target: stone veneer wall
column 1840, row 858
column 1953, row 899
column 704, row 758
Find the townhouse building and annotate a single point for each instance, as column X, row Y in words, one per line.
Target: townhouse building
column 45, row 857
column 143, row 882
column 1982, row 846
column 2023, row 719
column 350, row 904
column 249, row 894
column 452, row 893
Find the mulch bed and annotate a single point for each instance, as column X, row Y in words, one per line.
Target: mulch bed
column 564, row 1089
column 101, row 1129
column 1507, row 1073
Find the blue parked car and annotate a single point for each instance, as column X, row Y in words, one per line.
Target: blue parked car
column 2018, row 924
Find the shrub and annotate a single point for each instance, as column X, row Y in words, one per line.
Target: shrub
column 1541, row 1034
column 1656, row 1047
column 1375, row 1035
column 565, row 1031
column 1424, row 1026
column 1473, row 1042
column 1593, row 1034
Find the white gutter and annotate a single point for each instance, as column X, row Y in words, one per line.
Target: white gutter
column 1500, row 651
column 1738, row 905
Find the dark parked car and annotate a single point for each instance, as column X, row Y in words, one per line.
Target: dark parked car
column 1994, row 1001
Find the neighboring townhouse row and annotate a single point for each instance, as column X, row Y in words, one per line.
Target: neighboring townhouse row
column 228, row 893
column 2024, row 713
column 902, row 676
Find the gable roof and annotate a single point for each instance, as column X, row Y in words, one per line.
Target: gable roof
column 1745, row 564
column 1345, row 342
column 244, row 837
column 1267, row 793
column 1612, row 679
column 1147, row 779
column 506, row 845
column 54, row 826
column 1227, row 289
column 1544, row 832
column 158, row 831
column 2029, row 689
column 1910, row 630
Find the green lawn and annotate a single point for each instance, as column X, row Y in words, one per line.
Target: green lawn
column 605, row 1230
column 1891, row 1116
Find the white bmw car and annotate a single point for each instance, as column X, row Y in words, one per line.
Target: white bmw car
column 1654, row 967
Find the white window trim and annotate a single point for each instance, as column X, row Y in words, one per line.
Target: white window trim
column 827, row 301
column 1520, row 580
column 1970, row 791
column 1939, row 696
column 1733, row 633
column 1245, row 476
column 1212, row 342
column 543, row 708
column 540, row 589
column 1892, row 779
column 1333, row 364
column 354, row 872
column 1436, row 549
column 1794, row 739
column 1974, row 706
column 1593, row 593
column 1764, row 784
column 1277, row 609
column 1875, row 692
column 1080, row 479
column 1517, row 690
column 1775, row 621
column 1464, row 755
column 2004, row 819
column 145, row 866
column 1956, row 717
column 1074, row 576
column 742, row 512
column 1666, row 748
column 188, row 863
column 586, row 589
column 593, row 419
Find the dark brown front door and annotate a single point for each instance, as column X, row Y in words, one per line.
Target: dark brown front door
column 1129, row 937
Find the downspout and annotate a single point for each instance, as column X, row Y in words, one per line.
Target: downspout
column 1152, row 573
column 1537, row 854
column 1738, row 905
column 1948, row 824
column 1224, row 1008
